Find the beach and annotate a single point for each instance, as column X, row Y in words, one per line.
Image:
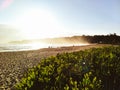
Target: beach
column 13, row 65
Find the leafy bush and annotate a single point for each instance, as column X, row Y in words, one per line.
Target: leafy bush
column 93, row 69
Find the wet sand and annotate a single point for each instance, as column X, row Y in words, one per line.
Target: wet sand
column 14, row 64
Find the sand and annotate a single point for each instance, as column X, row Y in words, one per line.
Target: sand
column 13, row 65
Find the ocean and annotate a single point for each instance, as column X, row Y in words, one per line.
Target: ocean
column 10, row 47
column 25, row 47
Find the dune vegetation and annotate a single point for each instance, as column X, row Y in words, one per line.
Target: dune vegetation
column 92, row 69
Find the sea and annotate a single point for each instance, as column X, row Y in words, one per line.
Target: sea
column 25, row 47
column 13, row 47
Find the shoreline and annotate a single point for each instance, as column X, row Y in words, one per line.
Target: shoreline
column 29, row 47
column 57, row 48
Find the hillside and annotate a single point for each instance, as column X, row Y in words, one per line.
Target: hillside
column 84, row 39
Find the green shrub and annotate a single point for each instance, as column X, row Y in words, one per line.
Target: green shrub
column 93, row 69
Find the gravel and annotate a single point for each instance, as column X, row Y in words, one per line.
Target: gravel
column 13, row 65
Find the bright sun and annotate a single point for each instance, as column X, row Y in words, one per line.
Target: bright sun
column 37, row 23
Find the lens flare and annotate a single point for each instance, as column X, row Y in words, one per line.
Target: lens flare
column 5, row 4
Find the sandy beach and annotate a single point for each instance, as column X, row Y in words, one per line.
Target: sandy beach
column 13, row 65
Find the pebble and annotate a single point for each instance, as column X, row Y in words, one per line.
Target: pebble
column 12, row 68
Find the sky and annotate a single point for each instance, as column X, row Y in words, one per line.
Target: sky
column 33, row 19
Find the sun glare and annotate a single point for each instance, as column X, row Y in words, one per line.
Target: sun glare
column 37, row 23
column 38, row 45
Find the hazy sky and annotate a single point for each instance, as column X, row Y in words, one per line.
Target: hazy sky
column 52, row 18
